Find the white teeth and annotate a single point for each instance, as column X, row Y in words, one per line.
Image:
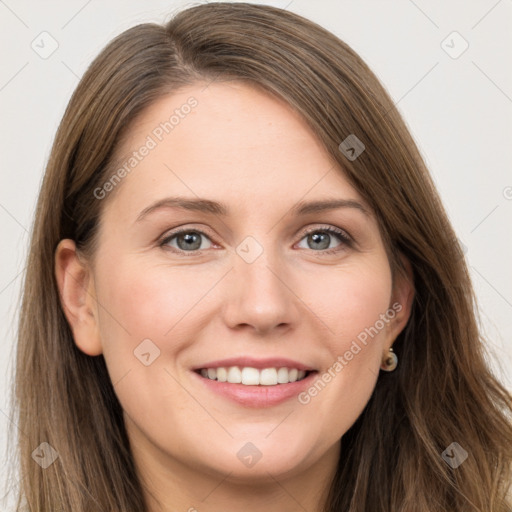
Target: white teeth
column 234, row 375
column 268, row 377
column 252, row 376
column 282, row 376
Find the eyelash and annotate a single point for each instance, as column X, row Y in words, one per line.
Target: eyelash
column 342, row 236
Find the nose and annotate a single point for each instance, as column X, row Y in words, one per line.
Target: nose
column 260, row 296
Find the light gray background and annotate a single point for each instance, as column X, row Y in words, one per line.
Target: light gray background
column 459, row 111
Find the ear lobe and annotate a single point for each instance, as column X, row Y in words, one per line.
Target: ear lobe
column 402, row 297
column 77, row 297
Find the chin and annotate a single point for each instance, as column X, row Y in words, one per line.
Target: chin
column 260, row 458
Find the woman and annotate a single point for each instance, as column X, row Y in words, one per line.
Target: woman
column 185, row 345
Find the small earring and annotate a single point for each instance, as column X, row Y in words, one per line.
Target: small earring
column 390, row 362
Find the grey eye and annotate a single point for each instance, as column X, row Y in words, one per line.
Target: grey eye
column 186, row 240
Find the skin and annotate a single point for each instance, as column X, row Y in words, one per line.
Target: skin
column 249, row 150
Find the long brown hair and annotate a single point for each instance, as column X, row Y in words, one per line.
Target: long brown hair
column 442, row 391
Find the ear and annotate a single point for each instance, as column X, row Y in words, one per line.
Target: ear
column 402, row 298
column 77, row 296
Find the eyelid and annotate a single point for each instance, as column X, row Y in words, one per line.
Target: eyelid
column 330, row 229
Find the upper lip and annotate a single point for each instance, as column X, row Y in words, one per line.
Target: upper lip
column 272, row 362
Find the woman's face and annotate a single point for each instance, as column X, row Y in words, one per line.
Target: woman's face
column 261, row 284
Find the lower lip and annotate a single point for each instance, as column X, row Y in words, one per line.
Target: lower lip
column 257, row 396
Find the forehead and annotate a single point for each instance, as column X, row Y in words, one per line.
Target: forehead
column 225, row 118
column 226, row 139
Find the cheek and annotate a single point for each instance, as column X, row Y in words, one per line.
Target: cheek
column 352, row 305
column 141, row 302
column 156, row 303
column 349, row 299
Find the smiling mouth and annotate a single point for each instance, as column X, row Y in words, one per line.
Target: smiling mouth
column 250, row 376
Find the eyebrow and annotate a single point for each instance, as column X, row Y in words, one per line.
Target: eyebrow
column 216, row 208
